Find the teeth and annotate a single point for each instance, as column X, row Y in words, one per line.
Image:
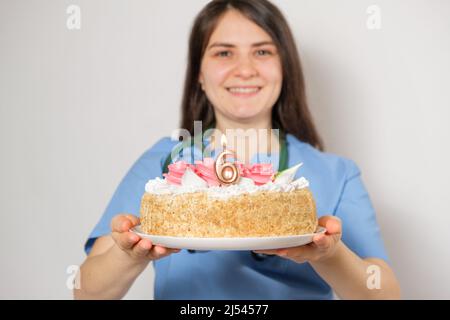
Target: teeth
column 243, row 90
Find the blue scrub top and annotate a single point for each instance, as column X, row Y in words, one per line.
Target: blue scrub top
column 338, row 190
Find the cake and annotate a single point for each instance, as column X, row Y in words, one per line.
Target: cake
column 196, row 200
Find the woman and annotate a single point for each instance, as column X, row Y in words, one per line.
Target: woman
column 244, row 72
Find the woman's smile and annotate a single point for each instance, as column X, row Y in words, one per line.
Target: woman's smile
column 244, row 91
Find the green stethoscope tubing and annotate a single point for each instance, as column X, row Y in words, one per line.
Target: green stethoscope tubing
column 283, row 162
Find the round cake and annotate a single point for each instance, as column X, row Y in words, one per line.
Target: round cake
column 192, row 200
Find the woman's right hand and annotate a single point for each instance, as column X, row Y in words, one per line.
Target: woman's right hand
column 135, row 247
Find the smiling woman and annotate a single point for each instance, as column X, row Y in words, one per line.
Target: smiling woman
column 244, row 72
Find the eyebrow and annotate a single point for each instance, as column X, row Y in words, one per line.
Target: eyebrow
column 229, row 45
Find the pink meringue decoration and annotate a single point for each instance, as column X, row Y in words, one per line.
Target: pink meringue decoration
column 260, row 173
column 176, row 171
column 242, row 168
column 205, row 169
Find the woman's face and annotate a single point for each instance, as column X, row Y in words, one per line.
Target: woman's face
column 241, row 70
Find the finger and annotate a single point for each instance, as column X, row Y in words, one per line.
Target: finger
column 125, row 240
column 121, row 223
column 295, row 252
column 134, row 220
column 332, row 224
column 142, row 248
column 269, row 252
column 159, row 252
column 283, row 252
column 322, row 241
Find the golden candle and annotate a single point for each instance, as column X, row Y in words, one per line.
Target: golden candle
column 226, row 172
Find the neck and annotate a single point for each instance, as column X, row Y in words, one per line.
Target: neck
column 246, row 146
column 224, row 124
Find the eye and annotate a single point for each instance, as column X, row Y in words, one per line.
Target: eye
column 223, row 54
column 263, row 53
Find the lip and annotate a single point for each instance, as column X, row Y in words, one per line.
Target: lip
column 244, row 95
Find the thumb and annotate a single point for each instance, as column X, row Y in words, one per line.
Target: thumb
column 134, row 220
column 331, row 223
column 123, row 222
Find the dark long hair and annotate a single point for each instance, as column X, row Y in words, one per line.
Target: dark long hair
column 290, row 113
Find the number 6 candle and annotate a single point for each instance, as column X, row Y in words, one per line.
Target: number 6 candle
column 226, row 172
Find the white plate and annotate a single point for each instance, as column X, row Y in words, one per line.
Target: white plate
column 253, row 243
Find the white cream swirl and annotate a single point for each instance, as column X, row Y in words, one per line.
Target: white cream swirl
column 160, row 186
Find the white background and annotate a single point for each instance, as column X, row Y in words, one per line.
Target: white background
column 77, row 108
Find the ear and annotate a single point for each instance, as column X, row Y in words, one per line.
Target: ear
column 200, row 80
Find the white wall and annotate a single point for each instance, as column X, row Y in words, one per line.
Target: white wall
column 78, row 107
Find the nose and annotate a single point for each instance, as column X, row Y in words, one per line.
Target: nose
column 245, row 68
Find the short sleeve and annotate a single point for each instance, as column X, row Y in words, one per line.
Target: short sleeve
column 360, row 230
column 127, row 197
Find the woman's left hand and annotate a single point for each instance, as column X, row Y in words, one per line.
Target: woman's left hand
column 321, row 248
